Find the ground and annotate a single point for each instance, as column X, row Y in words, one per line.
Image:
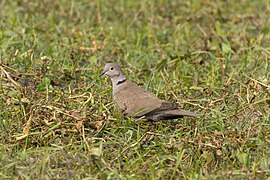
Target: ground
column 57, row 117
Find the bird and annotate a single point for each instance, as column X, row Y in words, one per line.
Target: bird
column 138, row 103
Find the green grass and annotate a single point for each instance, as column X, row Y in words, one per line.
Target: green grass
column 57, row 118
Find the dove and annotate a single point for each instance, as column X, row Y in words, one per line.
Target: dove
column 133, row 101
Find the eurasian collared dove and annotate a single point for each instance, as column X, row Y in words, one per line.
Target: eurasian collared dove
column 136, row 102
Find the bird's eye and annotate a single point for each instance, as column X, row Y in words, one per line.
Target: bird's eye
column 112, row 68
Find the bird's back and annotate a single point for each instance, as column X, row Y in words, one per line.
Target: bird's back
column 133, row 100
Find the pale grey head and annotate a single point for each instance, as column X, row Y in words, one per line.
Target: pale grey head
column 114, row 72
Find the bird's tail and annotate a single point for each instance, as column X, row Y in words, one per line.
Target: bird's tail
column 182, row 112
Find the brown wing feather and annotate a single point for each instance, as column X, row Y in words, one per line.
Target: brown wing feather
column 133, row 100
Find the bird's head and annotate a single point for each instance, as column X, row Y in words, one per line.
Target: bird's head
column 111, row 70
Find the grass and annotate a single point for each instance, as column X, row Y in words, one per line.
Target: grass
column 57, row 118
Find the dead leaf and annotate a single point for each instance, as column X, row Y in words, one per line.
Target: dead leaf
column 79, row 124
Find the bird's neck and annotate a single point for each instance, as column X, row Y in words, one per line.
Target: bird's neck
column 121, row 81
column 118, row 80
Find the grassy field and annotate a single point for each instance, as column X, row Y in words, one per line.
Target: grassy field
column 57, row 117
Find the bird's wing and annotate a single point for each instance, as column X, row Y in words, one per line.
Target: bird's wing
column 135, row 101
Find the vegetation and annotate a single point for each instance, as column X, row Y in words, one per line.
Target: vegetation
column 57, row 117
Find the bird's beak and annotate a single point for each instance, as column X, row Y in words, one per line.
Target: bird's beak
column 101, row 73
